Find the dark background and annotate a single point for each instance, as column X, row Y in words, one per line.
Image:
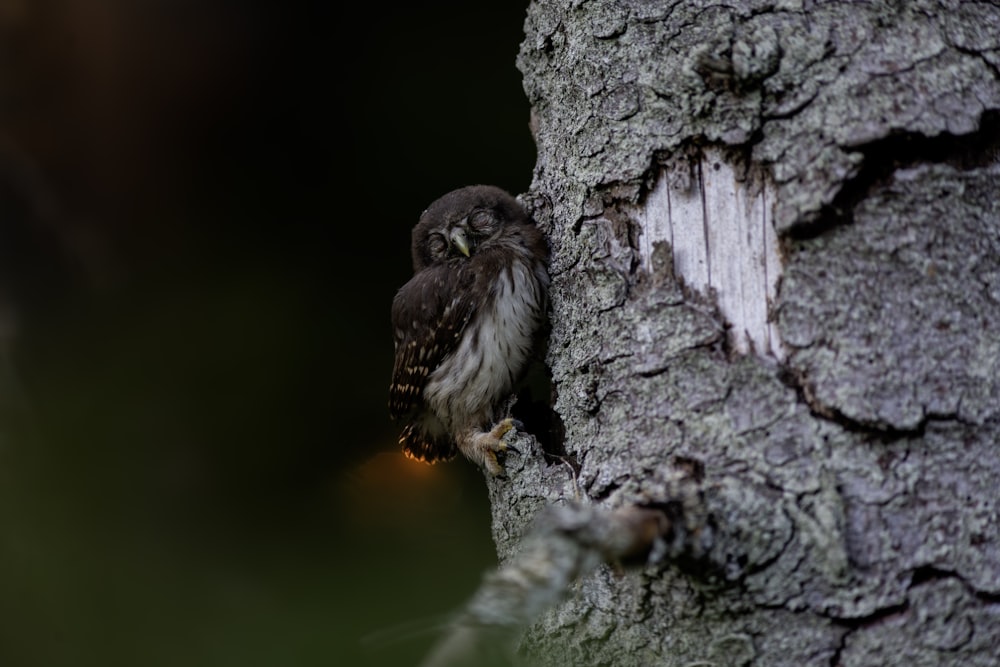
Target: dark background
column 204, row 214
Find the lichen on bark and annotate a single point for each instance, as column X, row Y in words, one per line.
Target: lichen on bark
column 920, row 268
column 852, row 482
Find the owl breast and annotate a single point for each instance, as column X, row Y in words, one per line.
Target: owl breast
column 465, row 389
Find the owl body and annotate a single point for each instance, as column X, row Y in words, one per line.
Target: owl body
column 466, row 324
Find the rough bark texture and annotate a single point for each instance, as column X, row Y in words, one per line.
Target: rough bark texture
column 851, row 481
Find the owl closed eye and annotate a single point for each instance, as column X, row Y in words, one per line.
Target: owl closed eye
column 437, row 247
column 483, row 222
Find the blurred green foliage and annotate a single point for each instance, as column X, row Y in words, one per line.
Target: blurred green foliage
column 204, row 214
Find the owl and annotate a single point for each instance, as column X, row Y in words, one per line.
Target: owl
column 465, row 324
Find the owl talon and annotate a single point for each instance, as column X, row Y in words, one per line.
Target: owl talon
column 483, row 447
column 503, row 427
column 492, row 465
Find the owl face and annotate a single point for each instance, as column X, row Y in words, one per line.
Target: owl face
column 456, row 227
column 463, row 237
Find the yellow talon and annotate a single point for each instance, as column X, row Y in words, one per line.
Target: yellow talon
column 502, row 429
column 482, row 447
column 492, row 465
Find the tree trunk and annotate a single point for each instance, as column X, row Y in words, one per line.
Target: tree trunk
column 776, row 272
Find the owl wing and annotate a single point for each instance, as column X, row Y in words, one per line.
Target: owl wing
column 429, row 315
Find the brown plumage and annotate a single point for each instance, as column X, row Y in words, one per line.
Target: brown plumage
column 465, row 324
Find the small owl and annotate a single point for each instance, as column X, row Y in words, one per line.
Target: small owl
column 465, row 324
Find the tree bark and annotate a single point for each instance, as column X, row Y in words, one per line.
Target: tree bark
column 776, row 273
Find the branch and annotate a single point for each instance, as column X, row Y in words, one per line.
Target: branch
column 566, row 543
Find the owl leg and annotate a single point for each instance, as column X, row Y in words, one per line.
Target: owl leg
column 481, row 447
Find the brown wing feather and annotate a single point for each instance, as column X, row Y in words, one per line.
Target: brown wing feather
column 429, row 315
column 420, row 446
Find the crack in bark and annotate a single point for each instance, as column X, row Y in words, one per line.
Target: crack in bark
column 885, row 156
column 974, row 53
column 928, row 573
column 884, row 433
column 853, row 625
column 920, row 576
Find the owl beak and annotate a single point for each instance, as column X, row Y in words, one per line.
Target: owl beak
column 459, row 241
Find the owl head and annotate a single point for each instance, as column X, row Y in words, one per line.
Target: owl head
column 463, row 223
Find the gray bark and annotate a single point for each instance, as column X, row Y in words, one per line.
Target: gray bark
column 847, row 468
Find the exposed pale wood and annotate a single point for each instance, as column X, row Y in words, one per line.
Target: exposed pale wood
column 721, row 232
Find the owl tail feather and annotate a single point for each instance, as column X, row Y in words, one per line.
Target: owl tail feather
column 421, row 446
